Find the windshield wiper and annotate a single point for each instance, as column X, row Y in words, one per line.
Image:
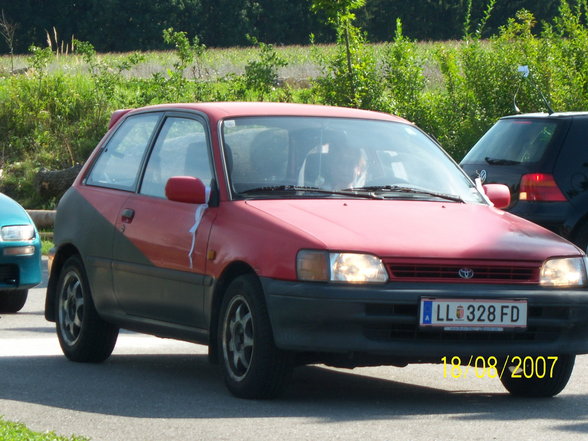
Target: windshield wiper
column 402, row 189
column 495, row 161
column 297, row 188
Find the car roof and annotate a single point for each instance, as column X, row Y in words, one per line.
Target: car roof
column 223, row 110
column 555, row 115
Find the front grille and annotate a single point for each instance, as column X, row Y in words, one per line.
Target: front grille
column 468, row 272
column 544, row 325
column 9, row 275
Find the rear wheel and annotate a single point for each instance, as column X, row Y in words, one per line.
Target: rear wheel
column 82, row 334
column 252, row 365
column 539, row 376
column 13, row 301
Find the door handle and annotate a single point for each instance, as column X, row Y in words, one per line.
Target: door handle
column 127, row 215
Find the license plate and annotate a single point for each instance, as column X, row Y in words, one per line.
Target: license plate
column 472, row 314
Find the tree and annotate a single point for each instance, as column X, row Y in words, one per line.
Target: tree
column 126, row 25
column 351, row 76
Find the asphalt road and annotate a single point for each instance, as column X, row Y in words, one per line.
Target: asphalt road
column 153, row 389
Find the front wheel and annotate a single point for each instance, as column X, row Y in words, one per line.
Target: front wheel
column 13, row 301
column 540, row 376
column 82, row 334
column 252, row 365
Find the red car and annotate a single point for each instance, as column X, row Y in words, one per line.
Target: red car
column 286, row 234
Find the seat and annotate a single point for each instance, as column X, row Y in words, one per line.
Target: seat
column 311, row 173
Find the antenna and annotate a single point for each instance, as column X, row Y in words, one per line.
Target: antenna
column 525, row 73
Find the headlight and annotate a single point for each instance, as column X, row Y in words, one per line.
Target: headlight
column 569, row 271
column 17, row 233
column 340, row 267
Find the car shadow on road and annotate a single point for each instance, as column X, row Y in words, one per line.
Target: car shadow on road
column 187, row 386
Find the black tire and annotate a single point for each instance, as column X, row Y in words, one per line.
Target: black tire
column 252, row 365
column 555, row 376
column 13, row 301
column 83, row 335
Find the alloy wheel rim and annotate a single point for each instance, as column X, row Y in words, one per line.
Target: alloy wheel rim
column 71, row 308
column 238, row 341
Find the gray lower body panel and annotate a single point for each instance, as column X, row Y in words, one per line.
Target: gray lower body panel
column 384, row 320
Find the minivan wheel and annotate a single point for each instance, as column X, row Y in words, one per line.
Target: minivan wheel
column 539, row 376
column 252, row 365
column 13, row 301
column 83, row 335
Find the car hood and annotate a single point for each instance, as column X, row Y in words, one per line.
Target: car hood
column 423, row 229
column 12, row 213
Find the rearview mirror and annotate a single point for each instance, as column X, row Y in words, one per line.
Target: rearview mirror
column 185, row 189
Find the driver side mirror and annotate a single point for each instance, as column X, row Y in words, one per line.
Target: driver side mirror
column 185, row 189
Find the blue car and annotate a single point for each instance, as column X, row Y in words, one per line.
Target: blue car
column 20, row 255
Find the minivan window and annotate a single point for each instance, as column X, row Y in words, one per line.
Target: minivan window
column 120, row 160
column 512, row 142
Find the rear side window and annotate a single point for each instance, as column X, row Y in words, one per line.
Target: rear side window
column 118, row 164
column 513, row 141
column 571, row 169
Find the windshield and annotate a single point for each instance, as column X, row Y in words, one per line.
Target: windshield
column 512, row 141
column 280, row 157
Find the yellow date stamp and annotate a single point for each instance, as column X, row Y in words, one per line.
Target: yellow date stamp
column 492, row 367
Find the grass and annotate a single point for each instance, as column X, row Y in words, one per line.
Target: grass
column 10, row 431
column 46, row 242
column 46, row 245
column 217, row 62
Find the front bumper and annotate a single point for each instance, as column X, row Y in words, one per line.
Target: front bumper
column 383, row 321
column 20, row 271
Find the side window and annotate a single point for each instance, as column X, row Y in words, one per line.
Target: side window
column 180, row 150
column 571, row 167
column 118, row 164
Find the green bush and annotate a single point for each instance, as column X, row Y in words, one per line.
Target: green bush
column 480, row 78
column 350, row 77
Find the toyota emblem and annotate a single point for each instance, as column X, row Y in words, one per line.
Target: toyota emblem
column 466, row 273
